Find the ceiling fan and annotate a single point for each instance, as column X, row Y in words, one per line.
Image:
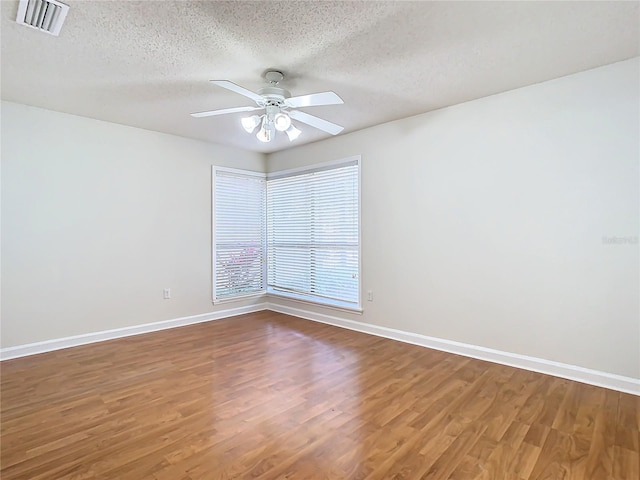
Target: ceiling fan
column 280, row 107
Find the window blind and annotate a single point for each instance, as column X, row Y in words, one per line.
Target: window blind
column 313, row 234
column 239, row 233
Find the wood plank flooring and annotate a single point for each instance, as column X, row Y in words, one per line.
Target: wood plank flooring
column 268, row 396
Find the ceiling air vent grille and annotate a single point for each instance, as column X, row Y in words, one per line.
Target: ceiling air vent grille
column 44, row 15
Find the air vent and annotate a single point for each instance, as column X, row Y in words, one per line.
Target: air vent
column 44, row 15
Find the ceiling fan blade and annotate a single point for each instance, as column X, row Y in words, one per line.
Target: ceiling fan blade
column 238, row 89
column 224, row 111
column 314, row 99
column 316, row 122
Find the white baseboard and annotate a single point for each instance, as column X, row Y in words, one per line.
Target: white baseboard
column 557, row 369
column 540, row 365
column 66, row 342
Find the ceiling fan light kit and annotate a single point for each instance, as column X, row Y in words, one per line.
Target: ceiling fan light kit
column 279, row 108
column 282, row 121
column 267, row 131
column 250, row 123
column 292, row 132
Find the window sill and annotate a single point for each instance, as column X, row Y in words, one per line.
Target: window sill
column 239, row 298
column 320, row 302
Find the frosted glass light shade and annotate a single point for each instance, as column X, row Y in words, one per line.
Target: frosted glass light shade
column 282, row 121
column 264, row 135
column 250, row 123
column 266, row 132
column 293, row 133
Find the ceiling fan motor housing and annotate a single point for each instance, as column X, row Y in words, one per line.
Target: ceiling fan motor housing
column 274, row 95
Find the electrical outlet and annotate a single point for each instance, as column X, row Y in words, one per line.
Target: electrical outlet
column 370, row 295
column 166, row 293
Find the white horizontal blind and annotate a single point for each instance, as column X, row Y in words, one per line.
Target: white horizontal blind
column 313, row 234
column 239, row 234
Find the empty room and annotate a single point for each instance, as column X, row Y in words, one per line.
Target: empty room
column 324, row 240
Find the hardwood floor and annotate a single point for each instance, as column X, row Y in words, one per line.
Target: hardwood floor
column 270, row 396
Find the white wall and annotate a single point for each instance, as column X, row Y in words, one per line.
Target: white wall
column 483, row 223
column 97, row 219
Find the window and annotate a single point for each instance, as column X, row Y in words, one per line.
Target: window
column 295, row 233
column 313, row 234
column 239, row 233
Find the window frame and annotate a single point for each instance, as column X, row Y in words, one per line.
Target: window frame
column 318, row 300
column 307, row 299
column 214, row 275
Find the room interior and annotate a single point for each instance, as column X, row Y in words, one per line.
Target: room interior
column 500, row 155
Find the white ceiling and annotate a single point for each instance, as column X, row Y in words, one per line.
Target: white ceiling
column 147, row 63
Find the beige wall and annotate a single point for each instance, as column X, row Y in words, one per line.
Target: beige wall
column 97, row 219
column 483, row 223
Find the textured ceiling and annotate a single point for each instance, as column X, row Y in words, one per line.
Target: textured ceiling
column 147, row 64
